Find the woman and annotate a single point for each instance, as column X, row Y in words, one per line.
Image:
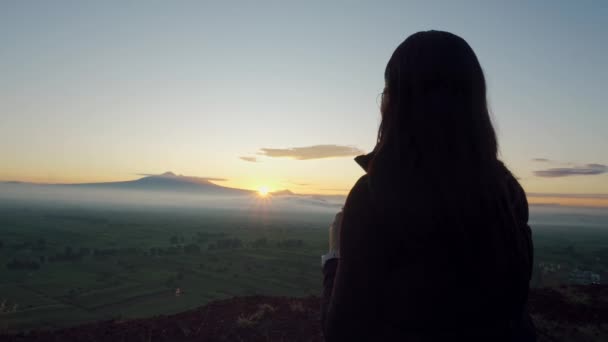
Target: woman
column 433, row 242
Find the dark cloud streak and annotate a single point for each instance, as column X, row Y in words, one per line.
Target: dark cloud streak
column 582, row 170
column 311, row 152
column 249, row 159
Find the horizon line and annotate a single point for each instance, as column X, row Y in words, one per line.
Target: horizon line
column 534, row 195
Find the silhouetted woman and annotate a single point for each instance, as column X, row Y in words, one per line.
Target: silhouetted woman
column 433, row 243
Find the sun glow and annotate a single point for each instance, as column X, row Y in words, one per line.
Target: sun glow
column 263, row 191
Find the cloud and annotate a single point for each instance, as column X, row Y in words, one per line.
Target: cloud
column 335, row 189
column 249, row 159
column 553, row 162
column 546, row 194
column 581, row 170
column 311, row 152
column 298, row 183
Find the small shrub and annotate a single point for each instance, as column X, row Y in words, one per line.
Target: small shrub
column 245, row 322
column 254, row 318
column 296, row 306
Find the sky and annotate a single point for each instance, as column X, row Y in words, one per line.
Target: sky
column 283, row 94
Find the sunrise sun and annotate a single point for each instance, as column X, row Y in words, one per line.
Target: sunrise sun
column 263, row 191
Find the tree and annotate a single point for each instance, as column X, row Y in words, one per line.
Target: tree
column 227, row 244
column 192, row 249
column 174, row 240
column 16, row 264
column 40, row 244
column 290, row 243
column 84, row 251
column 262, row 242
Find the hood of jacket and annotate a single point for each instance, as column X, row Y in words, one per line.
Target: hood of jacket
column 364, row 160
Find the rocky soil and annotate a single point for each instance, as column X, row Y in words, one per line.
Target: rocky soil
column 572, row 313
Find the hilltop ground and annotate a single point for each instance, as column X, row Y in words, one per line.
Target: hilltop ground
column 573, row 313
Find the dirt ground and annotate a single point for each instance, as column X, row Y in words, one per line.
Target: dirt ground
column 573, row 313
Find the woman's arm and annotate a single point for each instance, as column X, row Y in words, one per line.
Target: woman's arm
column 520, row 207
column 353, row 284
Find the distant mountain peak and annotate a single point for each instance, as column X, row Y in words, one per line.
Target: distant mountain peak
column 167, row 181
column 285, row 192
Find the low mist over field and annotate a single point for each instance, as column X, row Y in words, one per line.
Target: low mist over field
column 167, row 190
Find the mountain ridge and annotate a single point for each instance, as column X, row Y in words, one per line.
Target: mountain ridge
column 167, row 181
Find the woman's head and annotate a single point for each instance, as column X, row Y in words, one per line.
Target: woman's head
column 434, row 107
column 436, row 149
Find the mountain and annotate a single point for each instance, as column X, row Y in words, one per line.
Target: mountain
column 167, row 181
column 567, row 313
column 285, row 192
column 166, row 189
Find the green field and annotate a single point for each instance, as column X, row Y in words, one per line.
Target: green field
column 63, row 265
column 99, row 264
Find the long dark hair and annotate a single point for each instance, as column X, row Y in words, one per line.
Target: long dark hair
column 435, row 178
column 436, row 134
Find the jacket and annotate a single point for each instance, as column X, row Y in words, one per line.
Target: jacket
column 389, row 285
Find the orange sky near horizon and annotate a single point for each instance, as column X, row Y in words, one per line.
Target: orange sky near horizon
column 597, row 200
column 589, row 202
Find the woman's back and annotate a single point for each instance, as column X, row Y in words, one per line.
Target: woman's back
column 457, row 279
column 434, row 239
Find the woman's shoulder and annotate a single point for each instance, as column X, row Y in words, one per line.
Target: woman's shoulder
column 358, row 202
column 360, row 191
column 516, row 192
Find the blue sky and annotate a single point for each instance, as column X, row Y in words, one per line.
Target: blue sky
column 94, row 91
